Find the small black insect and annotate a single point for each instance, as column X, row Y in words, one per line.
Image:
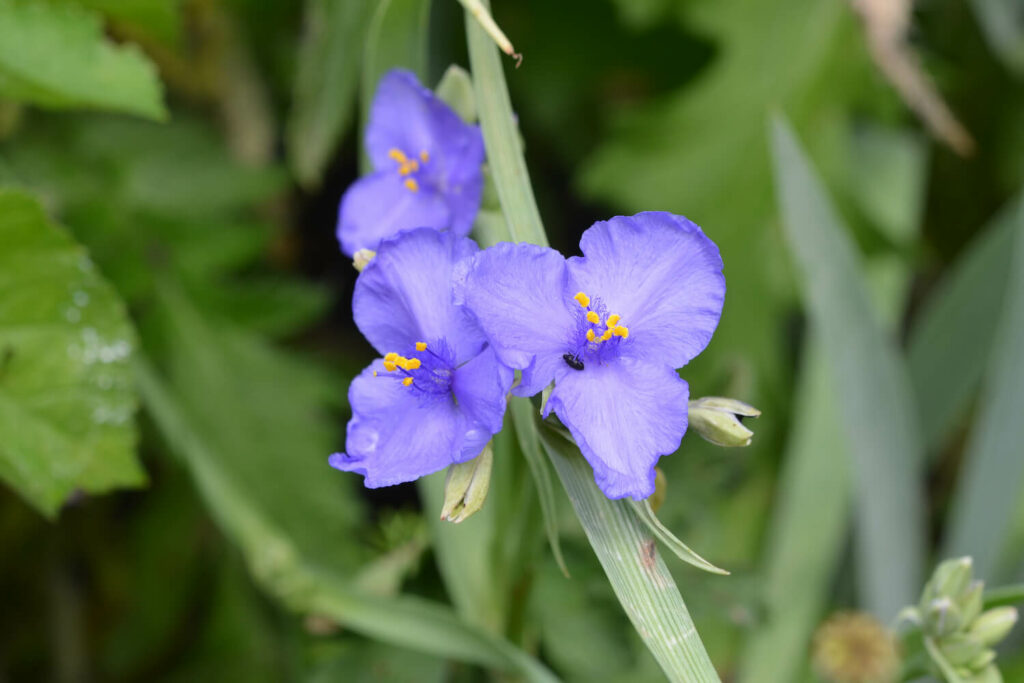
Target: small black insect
column 572, row 361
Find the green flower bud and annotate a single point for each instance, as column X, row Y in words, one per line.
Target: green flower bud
column 961, row 650
column 952, row 577
column 718, row 420
column 972, row 600
column 990, row 674
column 660, row 489
column 465, row 488
column 985, row 658
column 456, row 90
column 993, row 625
column 942, row 618
column 361, row 258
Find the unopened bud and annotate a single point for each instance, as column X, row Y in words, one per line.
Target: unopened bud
column 993, row 625
column 942, row 617
column 972, row 600
column 719, row 420
column 961, row 650
column 456, row 90
column 362, row 258
column 660, row 490
column 952, row 577
column 465, row 488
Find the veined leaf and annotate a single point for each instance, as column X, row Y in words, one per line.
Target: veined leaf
column 55, row 55
column 66, row 399
column 645, row 513
column 984, row 505
column 875, row 399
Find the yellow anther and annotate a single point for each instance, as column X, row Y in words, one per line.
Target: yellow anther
column 389, row 366
column 374, row 373
column 425, row 156
column 607, row 335
column 391, row 357
column 407, row 381
column 593, row 317
column 412, row 184
column 397, row 155
column 582, row 299
column 413, row 364
column 620, row 331
column 421, row 346
column 590, row 335
column 613, row 320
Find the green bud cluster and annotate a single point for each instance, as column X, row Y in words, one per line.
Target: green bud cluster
column 952, row 626
column 720, row 420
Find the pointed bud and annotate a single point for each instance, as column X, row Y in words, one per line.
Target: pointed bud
column 456, row 90
column 942, row 617
column 362, row 258
column 961, row 650
column 972, row 600
column 660, row 489
column 465, row 488
column 993, row 625
column 719, row 420
column 953, row 576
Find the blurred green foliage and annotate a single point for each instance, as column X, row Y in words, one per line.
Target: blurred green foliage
column 179, row 163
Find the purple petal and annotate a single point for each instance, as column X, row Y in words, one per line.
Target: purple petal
column 404, row 295
column 662, row 275
column 397, row 434
column 402, row 117
column 379, row 206
column 518, row 294
column 480, row 388
column 623, row 415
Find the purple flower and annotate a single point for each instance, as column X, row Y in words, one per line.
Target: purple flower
column 609, row 328
column 427, row 168
column 438, row 394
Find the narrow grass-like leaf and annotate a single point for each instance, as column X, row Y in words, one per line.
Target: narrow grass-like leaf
column 396, row 37
column 629, row 555
column 282, row 569
column 645, row 514
column 954, row 332
column 504, row 152
column 875, row 399
column 1004, row 596
column 808, row 530
column 1004, row 30
column 326, row 77
column 525, row 422
column 985, row 503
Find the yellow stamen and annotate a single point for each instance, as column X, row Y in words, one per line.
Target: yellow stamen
column 582, row 299
column 397, row 155
column 593, row 317
column 412, row 184
column 613, row 320
column 389, row 366
column 421, row 346
column 590, row 335
column 407, row 381
column 620, row 331
column 391, row 357
column 425, row 156
column 374, row 373
column 607, row 335
column 413, row 364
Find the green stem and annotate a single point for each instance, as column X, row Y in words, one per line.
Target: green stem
column 1004, row 596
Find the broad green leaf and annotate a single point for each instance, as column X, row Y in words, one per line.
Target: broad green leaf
column 66, row 399
column 984, row 505
column 645, row 514
column 54, row 54
column 159, row 19
column 954, row 332
column 876, row 403
column 326, row 77
column 630, row 558
column 293, row 570
column 396, row 38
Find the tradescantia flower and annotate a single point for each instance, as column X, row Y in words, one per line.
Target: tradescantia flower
column 609, row 328
column 438, row 394
column 427, row 168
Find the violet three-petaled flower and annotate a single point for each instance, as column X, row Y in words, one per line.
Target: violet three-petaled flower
column 427, row 168
column 438, row 394
column 609, row 328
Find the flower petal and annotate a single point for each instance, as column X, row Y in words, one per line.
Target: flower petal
column 623, row 415
column 480, row 387
column 518, row 294
column 402, row 117
column 662, row 274
column 379, row 206
column 397, row 434
column 404, row 294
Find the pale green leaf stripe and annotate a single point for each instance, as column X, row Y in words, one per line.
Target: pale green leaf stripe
column 67, row 407
column 54, row 54
column 529, row 441
column 953, row 334
column 638, row 575
column 504, row 153
column 274, row 561
column 808, row 530
column 326, row 79
column 875, row 399
column 396, row 38
column 986, row 500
